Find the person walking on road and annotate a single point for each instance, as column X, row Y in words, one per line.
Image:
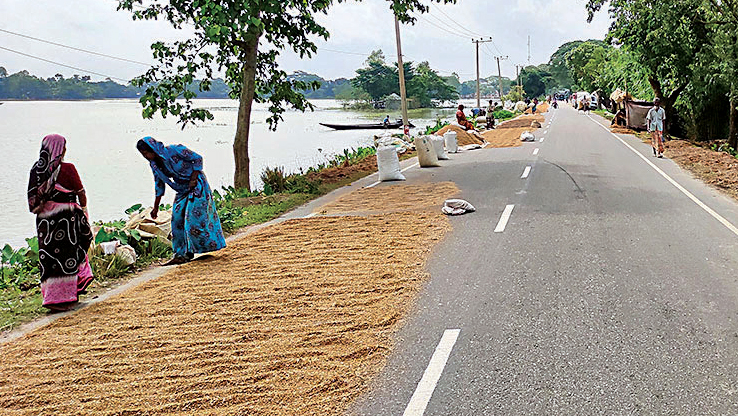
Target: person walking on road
column 195, row 223
column 655, row 121
column 57, row 197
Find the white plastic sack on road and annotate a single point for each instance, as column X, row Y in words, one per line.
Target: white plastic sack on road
column 438, row 146
column 527, row 137
column 452, row 141
column 427, row 157
column 389, row 164
column 470, row 147
column 521, row 106
column 457, row 207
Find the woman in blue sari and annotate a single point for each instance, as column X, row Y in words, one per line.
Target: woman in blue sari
column 195, row 223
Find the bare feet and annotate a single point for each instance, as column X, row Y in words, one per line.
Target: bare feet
column 177, row 260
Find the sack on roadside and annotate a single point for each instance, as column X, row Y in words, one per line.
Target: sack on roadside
column 438, row 145
column 527, row 137
column 389, row 164
column 457, row 207
column 127, row 255
column 427, row 157
column 452, row 142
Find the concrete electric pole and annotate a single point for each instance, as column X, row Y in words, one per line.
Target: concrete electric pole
column 477, row 42
column 401, row 70
column 499, row 73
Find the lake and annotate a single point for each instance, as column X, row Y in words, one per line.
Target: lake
column 101, row 138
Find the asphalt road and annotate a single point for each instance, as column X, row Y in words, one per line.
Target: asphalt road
column 610, row 291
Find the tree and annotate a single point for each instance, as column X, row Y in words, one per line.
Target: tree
column 427, row 86
column 244, row 39
column 664, row 37
column 378, row 79
column 536, row 80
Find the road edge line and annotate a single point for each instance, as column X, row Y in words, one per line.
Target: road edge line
column 676, row 184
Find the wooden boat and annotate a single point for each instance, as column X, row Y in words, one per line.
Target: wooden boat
column 369, row 126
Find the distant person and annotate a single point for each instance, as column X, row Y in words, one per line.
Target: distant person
column 655, row 120
column 535, row 106
column 491, row 115
column 461, row 119
column 57, row 197
column 386, row 121
column 195, row 224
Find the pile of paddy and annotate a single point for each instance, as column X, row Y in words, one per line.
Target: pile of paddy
column 464, row 137
column 396, row 198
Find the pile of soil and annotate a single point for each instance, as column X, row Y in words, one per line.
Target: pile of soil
column 334, row 175
column 462, row 136
column 522, row 121
column 503, row 137
column 396, row 198
column 293, row 320
column 718, row 169
column 542, row 108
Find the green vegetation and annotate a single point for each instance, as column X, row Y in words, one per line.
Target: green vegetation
column 424, row 86
column 604, row 113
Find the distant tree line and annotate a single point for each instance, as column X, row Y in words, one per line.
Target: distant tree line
column 24, row 86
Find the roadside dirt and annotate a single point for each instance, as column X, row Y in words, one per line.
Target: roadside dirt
column 396, row 198
column 292, row 320
column 333, row 175
column 542, row 108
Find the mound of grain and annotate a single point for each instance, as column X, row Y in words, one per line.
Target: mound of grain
column 395, row 198
column 535, row 125
column 503, row 137
column 462, row 136
column 522, row 121
column 542, row 108
column 293, row 320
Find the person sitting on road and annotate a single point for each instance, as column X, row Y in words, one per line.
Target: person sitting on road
column 461, row 119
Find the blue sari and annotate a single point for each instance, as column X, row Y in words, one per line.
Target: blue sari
column 195, row 224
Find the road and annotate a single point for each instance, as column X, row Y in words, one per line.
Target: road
column 611, row 290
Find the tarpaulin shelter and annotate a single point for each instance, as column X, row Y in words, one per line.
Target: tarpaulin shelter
column 635, row 114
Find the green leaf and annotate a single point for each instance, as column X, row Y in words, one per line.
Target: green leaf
column 134, row 208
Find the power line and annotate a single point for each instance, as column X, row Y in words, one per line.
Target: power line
column 64, row 65
column 75, row 48
column 474, row 34
column 442, row 28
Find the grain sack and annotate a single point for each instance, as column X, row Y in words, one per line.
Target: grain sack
column 457, row 207
column 427, row 157
column 389, row 164
column 452, row 145
column 535, row 125
column 127, row 254
column 527, row 137
column 438, row 143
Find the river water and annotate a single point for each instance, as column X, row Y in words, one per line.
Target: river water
column 101, row 138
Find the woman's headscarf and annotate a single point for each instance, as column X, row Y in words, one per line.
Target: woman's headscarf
column 45, row 171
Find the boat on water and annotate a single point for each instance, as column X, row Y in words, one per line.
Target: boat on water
column 368, row 126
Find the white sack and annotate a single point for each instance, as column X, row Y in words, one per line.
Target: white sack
column 527, row 137
column 127, row 254
column 389, row 164
column 438, row 146
column 427, row 157
column 452, row 142
column 457, row 207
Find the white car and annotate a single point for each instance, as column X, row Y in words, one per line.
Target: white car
column 594, row 102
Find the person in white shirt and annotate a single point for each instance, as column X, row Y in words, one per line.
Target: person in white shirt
column 655, row 121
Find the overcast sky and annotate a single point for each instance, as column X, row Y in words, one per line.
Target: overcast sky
column 443, row 37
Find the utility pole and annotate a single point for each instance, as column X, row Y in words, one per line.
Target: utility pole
column 477, row 42
column 517, row 74
column 401, row 70
column 528, row 49
column 499, row 74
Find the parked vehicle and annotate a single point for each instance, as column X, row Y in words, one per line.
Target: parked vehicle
column 594, row 101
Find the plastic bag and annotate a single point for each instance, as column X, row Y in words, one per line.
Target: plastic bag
column 127, row 254
column 427, row 157
column 527, row 137
column 389, row 164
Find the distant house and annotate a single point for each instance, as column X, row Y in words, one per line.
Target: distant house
column 392, row 102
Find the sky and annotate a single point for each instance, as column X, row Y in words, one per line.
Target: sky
column 443, row 37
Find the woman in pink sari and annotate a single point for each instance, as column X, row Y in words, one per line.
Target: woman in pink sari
column 57, row 197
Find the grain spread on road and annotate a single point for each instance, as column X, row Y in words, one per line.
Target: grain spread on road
column 292, row 320
column 393, row 198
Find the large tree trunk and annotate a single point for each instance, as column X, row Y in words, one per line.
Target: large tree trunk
column 666, row 101
column 241, row 177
